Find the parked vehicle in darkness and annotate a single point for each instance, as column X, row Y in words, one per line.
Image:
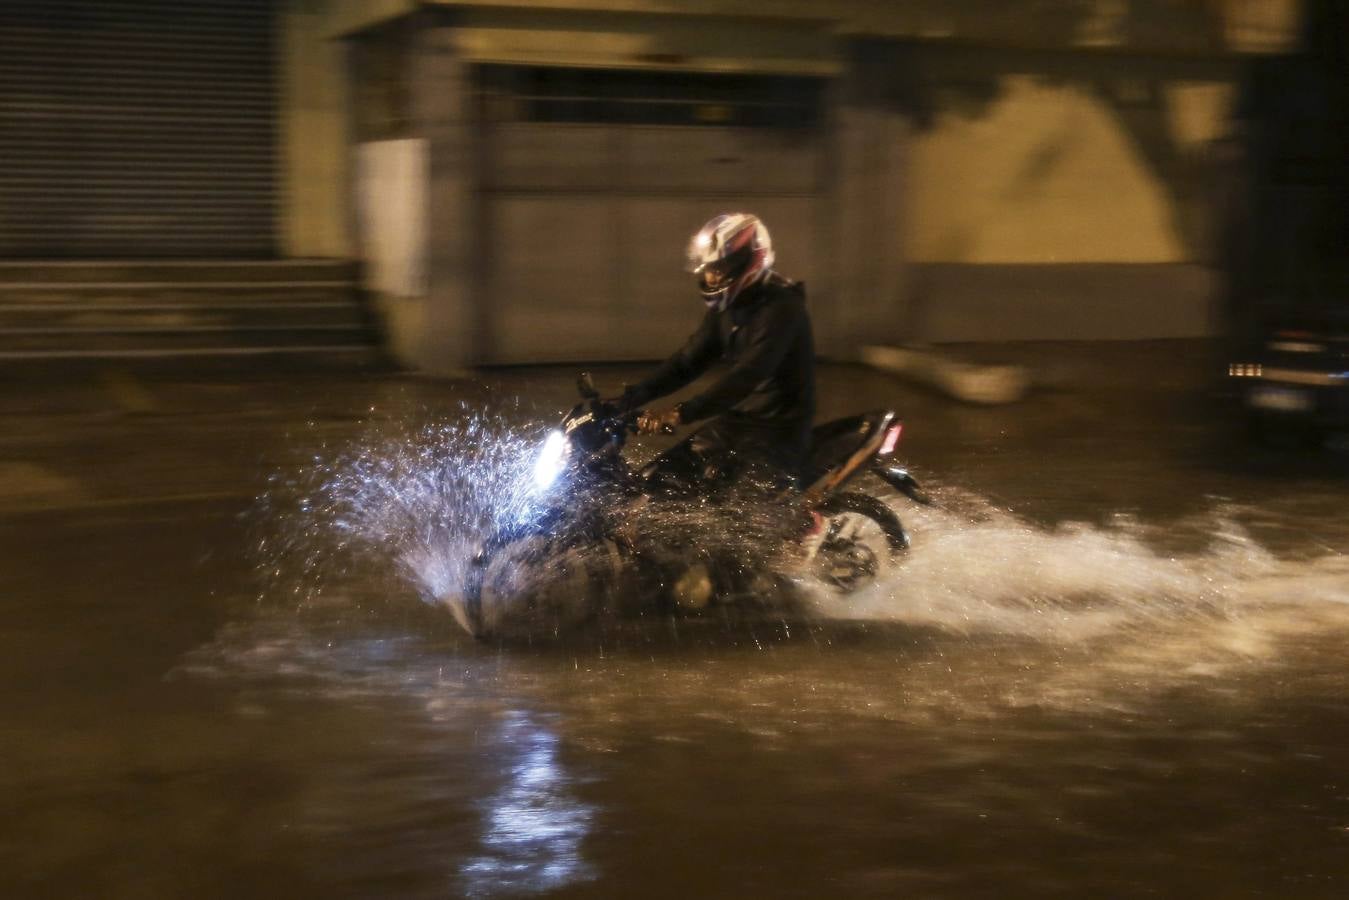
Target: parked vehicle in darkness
column 1284, row 226
column 1294, row 378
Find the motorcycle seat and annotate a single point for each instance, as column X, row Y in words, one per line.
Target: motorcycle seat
column 833, row 443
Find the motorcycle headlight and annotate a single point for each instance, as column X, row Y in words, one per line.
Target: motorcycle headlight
column 552, row 460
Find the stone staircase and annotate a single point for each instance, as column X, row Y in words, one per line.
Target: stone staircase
column 303, row 310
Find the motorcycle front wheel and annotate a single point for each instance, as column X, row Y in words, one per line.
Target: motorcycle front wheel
column 531, row 585
column 863, row 542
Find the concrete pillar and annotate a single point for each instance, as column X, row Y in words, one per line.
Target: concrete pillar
column 442, row 100
column 314, row 208
column 871, row 135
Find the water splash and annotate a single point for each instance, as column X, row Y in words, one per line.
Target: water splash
column 1120, row 614
column 989, row 614
column 418, row 503
column 976, row 568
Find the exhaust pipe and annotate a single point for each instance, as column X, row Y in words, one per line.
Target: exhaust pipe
column 899, row 478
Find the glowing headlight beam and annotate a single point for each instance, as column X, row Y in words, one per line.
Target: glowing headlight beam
column 551, row 461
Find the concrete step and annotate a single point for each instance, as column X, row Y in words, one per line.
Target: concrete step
column 183, row 310
column 204, row 294
column 24, row 318
column 17, row 273
column 231, row 361
column 164, row 339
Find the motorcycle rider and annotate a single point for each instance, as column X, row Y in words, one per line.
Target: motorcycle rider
column 756, row 321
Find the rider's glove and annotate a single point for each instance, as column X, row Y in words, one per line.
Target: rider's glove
column 663, row 422
column 624, row 403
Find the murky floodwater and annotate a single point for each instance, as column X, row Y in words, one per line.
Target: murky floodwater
column 1051, row 698
column 1063, row 709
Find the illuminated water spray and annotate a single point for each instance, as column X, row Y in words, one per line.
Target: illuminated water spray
column 419, row 501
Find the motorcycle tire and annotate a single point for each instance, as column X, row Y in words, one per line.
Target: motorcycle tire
column 583, row 574
column 868, row 507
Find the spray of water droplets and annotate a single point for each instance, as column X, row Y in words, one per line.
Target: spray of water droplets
column 418, row 502
column 976, row 569
column 414, row 501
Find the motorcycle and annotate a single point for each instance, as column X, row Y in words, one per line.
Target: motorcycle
column 561, row 561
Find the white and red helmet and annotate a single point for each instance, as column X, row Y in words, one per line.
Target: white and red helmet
column 728, row 254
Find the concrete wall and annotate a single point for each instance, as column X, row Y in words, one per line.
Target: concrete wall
column 346, row 17
column 391, row 186
column 1165, row 26
column 572, row 38
column 1054, row 172
column 1043, row 175
column 1059, row 302
column 1061, row 190
column 872, row 137
column 1035, row 184
column 315, row 178
column 441, row 96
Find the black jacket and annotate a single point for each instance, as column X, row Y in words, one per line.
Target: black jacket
column 765, row 335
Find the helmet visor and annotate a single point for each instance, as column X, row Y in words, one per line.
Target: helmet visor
column 721, row 274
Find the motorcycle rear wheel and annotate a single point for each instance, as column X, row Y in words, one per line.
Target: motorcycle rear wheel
column 847, row 560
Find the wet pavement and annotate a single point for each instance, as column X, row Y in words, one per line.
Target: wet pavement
column 1113, row 665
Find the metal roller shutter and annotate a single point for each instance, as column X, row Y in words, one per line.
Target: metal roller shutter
column 136, row 128
column 596, row 179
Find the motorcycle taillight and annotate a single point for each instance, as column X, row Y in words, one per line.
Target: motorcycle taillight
column 891, row 439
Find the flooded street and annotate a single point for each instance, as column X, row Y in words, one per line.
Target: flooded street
column 1113, row 664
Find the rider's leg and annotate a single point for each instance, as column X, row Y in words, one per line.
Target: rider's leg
column 728, row 451
column 759, row 457
column 692, row 463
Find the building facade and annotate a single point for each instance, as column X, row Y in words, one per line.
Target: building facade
column 526, row 174
column 519, row 177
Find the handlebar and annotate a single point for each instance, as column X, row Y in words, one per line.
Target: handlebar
column 629, row 420
column 586, row 386
column 630, row 423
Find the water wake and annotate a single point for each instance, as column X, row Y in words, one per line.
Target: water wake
column 419, row 504
column 976, row 568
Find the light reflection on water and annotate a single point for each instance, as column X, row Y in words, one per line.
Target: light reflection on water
column 463, row 764
column 483, row 773
column 533, row 826
column 1004, row 648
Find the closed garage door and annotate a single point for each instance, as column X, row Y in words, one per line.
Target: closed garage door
column 596, row 179
column 136, row 128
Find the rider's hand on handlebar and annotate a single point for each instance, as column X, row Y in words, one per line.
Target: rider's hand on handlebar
column 662, row 422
